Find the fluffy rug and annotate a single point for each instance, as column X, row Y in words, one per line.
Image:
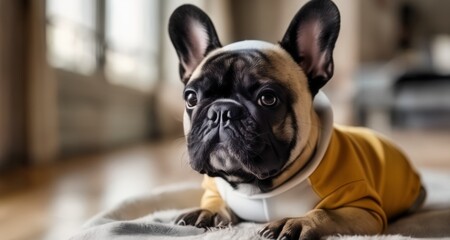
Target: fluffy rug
column 151, row 217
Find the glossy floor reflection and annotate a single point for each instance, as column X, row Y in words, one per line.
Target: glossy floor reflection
column 52, row 202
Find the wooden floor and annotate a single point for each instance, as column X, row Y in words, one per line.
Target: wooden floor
column 52, row 202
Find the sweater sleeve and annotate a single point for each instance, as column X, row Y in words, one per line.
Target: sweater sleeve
column 211, row 199
column 356, row 194
column 349, row 174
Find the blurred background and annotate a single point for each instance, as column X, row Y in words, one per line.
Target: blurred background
column 91, row 103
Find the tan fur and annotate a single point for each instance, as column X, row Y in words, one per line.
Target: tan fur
column 292, row 76
column 295, row 79
column 307, row 151
column 320, row 222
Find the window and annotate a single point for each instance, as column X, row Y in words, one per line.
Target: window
column 71, row 35
column 132, row 42
column 129, row 36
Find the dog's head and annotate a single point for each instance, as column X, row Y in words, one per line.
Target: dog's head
column 249, row 104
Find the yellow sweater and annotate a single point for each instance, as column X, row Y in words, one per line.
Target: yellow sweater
column 359, row 169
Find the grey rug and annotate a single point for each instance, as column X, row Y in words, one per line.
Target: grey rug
column 151, row 217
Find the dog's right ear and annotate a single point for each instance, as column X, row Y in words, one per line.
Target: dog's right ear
column 310, row 40
column 193, row 36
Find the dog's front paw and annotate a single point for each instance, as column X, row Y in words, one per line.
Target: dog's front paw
column 203, row 218
column 291, row 228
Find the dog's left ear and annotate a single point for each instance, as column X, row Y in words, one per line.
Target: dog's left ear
column 310, row 40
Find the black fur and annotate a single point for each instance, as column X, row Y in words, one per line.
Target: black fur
column 236, row 75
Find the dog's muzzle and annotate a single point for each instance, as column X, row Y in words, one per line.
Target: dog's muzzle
column 232, row 143
column 221, row 115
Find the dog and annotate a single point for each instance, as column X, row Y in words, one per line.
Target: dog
column 260, row 129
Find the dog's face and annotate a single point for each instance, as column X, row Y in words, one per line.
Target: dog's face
column 249, row 104
column 241, row 114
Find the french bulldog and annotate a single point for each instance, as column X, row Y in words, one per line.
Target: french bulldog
column 260, row 129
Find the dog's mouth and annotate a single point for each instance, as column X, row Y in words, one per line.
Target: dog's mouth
column 234, row 178
column 235, row 163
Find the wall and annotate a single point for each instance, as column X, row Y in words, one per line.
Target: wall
column 12, row 79
column 40, row 90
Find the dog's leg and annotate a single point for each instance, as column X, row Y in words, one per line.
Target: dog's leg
column 205, row 218
column 212, row 213
column 320, row 222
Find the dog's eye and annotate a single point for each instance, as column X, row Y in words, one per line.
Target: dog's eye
column 191, row 100
column 267, row 100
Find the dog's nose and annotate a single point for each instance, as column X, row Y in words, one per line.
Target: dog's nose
column 225, row 111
